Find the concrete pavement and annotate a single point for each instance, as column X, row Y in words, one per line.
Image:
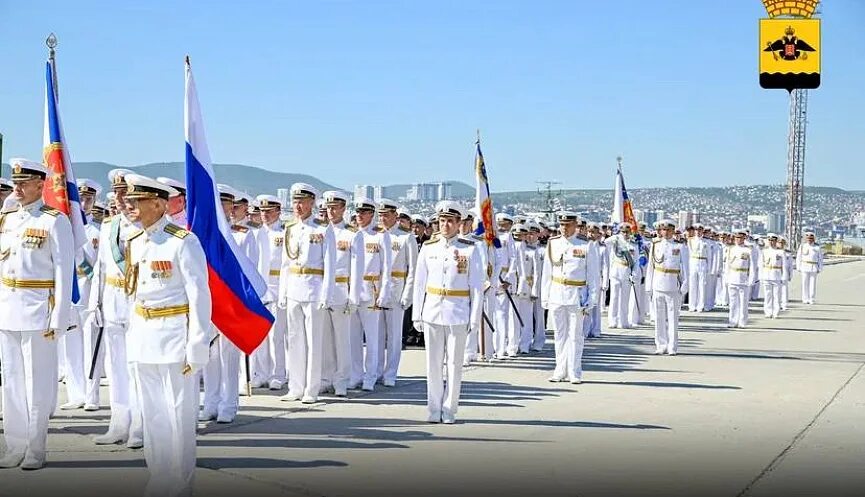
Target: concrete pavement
column 775, row 409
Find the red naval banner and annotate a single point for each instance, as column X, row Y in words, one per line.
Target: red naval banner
column 54, row 192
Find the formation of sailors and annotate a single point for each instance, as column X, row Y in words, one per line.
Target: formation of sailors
column 342, row 279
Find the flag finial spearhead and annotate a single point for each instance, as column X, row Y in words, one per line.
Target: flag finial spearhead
column 51, row 43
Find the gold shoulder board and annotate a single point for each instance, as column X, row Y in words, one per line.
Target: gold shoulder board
column 134, row 235
column 175, row 230
column 51, row 211
column 351, row 228
column 239, row 228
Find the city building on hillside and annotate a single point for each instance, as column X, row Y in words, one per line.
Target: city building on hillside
column 284, row 199
column 776, row 222
column 687, row 218
column 429, row 192
column 366, row 191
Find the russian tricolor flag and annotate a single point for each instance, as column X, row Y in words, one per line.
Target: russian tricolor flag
column 235, row 285
column 60, row 190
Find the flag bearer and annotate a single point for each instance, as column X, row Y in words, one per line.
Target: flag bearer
column 35, row 308
column 81, row 392
column 222, row 373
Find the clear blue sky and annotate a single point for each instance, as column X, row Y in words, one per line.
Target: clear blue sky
column 382, row 92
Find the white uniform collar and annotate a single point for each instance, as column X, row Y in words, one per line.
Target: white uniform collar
column 32, row 206
column 158, row 225
column 452, row 240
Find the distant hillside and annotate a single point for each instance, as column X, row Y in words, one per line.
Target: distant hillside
column 245, row 178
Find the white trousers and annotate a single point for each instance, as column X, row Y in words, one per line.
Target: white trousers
column 122, row 392
column 366, row 326
column 268, row 360
column 390, row 347
column 567, row 324
column 620, row 297
column 697, row 297
column 29, row 391
column 222, row 379
column 336, row 351
column 515, row 329
column 169, row 401
column 278, row 343
column 71, row 352
column 785, row 294
column 473, row 341
column 667, row 305
column 739, row 298
column 638, row 307
column 305, row 330
column 711, row 291
column 721, row 291
column 771, row 298
column 540, row 331
column 527, row 330
column 755, row 291
column 443, row 346
column 809, row 287
column 90, row 332
column 503, row 321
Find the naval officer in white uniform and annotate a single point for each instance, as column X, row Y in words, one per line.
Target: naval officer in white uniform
column 35, row 308
column 447, row 301
column 168, row 337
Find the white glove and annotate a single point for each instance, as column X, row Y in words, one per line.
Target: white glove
column 418, row 325
column 323, row 306
column 193, row 368
column 283, row 303
column 268, row 297
column 683, row 290
column 350, row 308
column 405, row 303
column 97, row 317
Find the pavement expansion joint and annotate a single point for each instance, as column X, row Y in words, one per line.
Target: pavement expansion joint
column 799, row 436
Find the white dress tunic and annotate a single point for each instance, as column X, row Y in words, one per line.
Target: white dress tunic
column 168, row 338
